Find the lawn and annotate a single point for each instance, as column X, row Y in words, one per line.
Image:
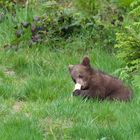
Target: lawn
column 36, row 101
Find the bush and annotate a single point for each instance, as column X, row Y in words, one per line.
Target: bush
column 56, row 23
column 89, row 6
column 136, row 81
column 128, row 40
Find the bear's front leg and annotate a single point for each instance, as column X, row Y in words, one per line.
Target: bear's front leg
column 82, row 93
column 78, row 92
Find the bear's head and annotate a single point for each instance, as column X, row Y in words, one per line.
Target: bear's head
column 81, row 73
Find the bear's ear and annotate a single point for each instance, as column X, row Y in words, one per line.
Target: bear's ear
column 86, row 61
column 70, row 67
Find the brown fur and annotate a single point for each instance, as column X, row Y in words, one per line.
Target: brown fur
column 97, row 84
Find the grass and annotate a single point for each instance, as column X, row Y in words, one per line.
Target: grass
column 36, row 101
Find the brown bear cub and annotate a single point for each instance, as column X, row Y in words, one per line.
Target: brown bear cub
column 91, row 83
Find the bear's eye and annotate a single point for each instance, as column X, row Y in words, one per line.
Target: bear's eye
column 80, row 76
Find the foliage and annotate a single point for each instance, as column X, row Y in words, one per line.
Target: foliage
column 107, row 18
column 57, row 22
column 136, row 81
column 4, row 7
column 128, row 40
column 88, row 6
column 123, row 3
column 105, row 11
column 6, row 4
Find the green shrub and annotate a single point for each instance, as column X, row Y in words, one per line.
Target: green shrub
column 123, row 3
column 56, row 23
column 136, row 82
column 88, row 6
column 128, row 40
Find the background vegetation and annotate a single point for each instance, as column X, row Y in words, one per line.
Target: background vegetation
column 38, row 40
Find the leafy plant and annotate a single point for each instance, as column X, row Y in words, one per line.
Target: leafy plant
column 56, row 23
column 88, row 6
column 123, row 3
column 136, row 82
column 128, row 40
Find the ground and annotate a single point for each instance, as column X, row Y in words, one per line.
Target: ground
column 36, row 101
